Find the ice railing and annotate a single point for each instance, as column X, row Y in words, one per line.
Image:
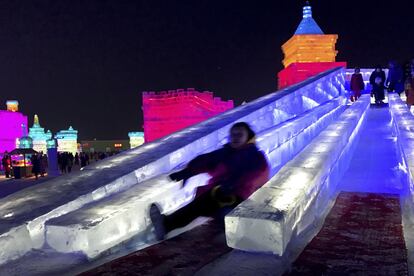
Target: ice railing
column 403, row 122
column 288, row 204
column 125, row 215
column 23, row 214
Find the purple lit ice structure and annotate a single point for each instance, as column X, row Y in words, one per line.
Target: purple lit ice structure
column 10, row 129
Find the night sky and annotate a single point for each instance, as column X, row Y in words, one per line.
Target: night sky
column 85, row 63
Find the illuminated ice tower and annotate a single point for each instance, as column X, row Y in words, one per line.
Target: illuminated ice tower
column 308, row 52
column 169, row 111
column 39, row 136
column 11, row 123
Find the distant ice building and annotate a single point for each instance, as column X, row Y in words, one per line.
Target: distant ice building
column 136, row 139
column 166, row 112
column 67, row 140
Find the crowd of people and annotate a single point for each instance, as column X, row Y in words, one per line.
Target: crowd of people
column 67, row 162
column 39, row 164
column 399, row 80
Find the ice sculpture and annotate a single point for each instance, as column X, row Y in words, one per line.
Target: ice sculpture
column 28, row 210
column 103, row 224
column 308, row 52
column 288, row 203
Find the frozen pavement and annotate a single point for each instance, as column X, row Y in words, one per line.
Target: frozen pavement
column 9, row 186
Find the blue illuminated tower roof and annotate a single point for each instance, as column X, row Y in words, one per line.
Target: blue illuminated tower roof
column 37, row 132
column 308, row 25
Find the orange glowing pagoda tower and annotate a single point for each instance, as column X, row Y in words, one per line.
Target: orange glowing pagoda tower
column 308, row 52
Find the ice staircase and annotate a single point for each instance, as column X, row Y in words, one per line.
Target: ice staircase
column 106, row 203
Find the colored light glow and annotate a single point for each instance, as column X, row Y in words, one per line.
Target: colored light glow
column 309, row 43
column 166, row 112
column 308, row 24
column 308, row 52
column 51, row 143
column 136, row 139
column 39, row 136
column 25, row 143
column 11, row 129
column 310, row 48
column 298, row 72
column 20, row 160
column 12, row 106
column 135, row 134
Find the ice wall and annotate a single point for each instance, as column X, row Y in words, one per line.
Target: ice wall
column 403, row 125
column 403, row 122
column 291, row 200
column 28, row 210
column 101, row 225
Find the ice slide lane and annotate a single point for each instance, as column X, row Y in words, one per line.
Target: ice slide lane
column 337, row 136
column 359, row 245
column 363, row 233
column 23, row 214
column 300, row 192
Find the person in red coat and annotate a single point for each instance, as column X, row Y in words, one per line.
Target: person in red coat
column 357, row 85
column 409, row 91
column 237, row 170
column 6, row 163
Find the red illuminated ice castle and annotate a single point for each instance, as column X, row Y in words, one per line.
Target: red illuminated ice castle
column 166, row 112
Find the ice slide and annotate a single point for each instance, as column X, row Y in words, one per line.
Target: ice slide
column 92, row 210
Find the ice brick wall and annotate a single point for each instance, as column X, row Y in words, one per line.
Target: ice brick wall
column 291, row 200
column 166, row 112
column 28, row 210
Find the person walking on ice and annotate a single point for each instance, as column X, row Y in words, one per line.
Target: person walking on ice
column 357, row 85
